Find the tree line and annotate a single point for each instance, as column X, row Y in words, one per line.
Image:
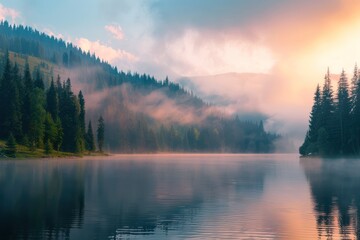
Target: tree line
column 51, row 119
column 128, row 130
column 334, row 125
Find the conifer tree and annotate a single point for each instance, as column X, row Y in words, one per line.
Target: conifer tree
column 52, row 101
column 355, row 120
column 354, row 81
column 11, row 146
column 342, row 115
column 310, row 144
column 50, row 130
column 39, row 83
column 101, row 133
column 327, row 115
column 69, row 115
column 82, row 119
column 27, row 100
column 37, row 119
column 59, row 135
column 10, row 112
column 90, row 143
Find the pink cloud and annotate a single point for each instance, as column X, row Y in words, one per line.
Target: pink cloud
column 51, row 33
column 105, row 52
column 8, row 13
column 115, row 30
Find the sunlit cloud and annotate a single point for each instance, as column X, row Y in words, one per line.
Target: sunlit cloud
column 8, row 13
column 196, row 53
column 51, row 33
column 115, row 30
column 104, row 52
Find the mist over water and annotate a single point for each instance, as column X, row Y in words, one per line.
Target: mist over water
column 179, row 196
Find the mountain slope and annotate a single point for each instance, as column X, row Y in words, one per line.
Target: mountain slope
column 142, row 114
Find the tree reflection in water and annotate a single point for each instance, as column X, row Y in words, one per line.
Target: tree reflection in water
column 335, row 190
column 93, row 199
column 41, row 200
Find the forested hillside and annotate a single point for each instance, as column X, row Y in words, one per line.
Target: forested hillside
column 334, row 125
column 51, row 119
column 142, row 114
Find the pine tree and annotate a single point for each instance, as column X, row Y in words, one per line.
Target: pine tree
column 11, row 146
column 50, row 130
column 10, row 112
column 48, row 148
column 355, row 120
column 59, row 135
column 90, row 143
column 27, row 100
column 18, row 93
column 69, row 115
column 101, row 133
column 39, row 83
column 354, row 81
column 327, row 116
column 342, row 115
column 310, row 145
column 82, row 119
column 37, row 119
column 52, row 101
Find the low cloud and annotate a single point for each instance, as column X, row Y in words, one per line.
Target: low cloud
column 8, row 13
column 199, row 53
column 105, row 52
column 115, row 30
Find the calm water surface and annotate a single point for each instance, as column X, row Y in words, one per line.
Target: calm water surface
column 180, row 197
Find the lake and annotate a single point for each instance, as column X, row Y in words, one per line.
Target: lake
column 180, row 197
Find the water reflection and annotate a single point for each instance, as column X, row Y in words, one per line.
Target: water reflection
column 93, row 199
column 40, row 199
column 152, row 196
column 335, row 189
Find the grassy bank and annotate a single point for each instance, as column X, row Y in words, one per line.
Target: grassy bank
column 23, row 152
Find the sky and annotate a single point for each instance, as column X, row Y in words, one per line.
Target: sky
column 289, row 43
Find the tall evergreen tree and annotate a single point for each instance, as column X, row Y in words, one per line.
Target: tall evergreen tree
column 69, row 115
column 354, row 81
column 37, row 119
column 90, row 143
column 342, row 114
column 355, row 120
column 82, row 118
column 11, row 146
column 101, row 133
column 310, row 144
column 27, row 100
column 10, row 108
column 327, row 116
column 39, row 83
column 50, row 131
column 52, row 101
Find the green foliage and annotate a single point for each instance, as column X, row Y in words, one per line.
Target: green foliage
column 90, row 142
column 52, row 101
column 10, row 103
column 334, row 126
column 82, row 120
column 128, row 130
column 11, row 146
column 32, row 113
column 48, row 147
column 100, row 133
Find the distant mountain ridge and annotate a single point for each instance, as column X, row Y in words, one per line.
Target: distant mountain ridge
column 142, row 114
